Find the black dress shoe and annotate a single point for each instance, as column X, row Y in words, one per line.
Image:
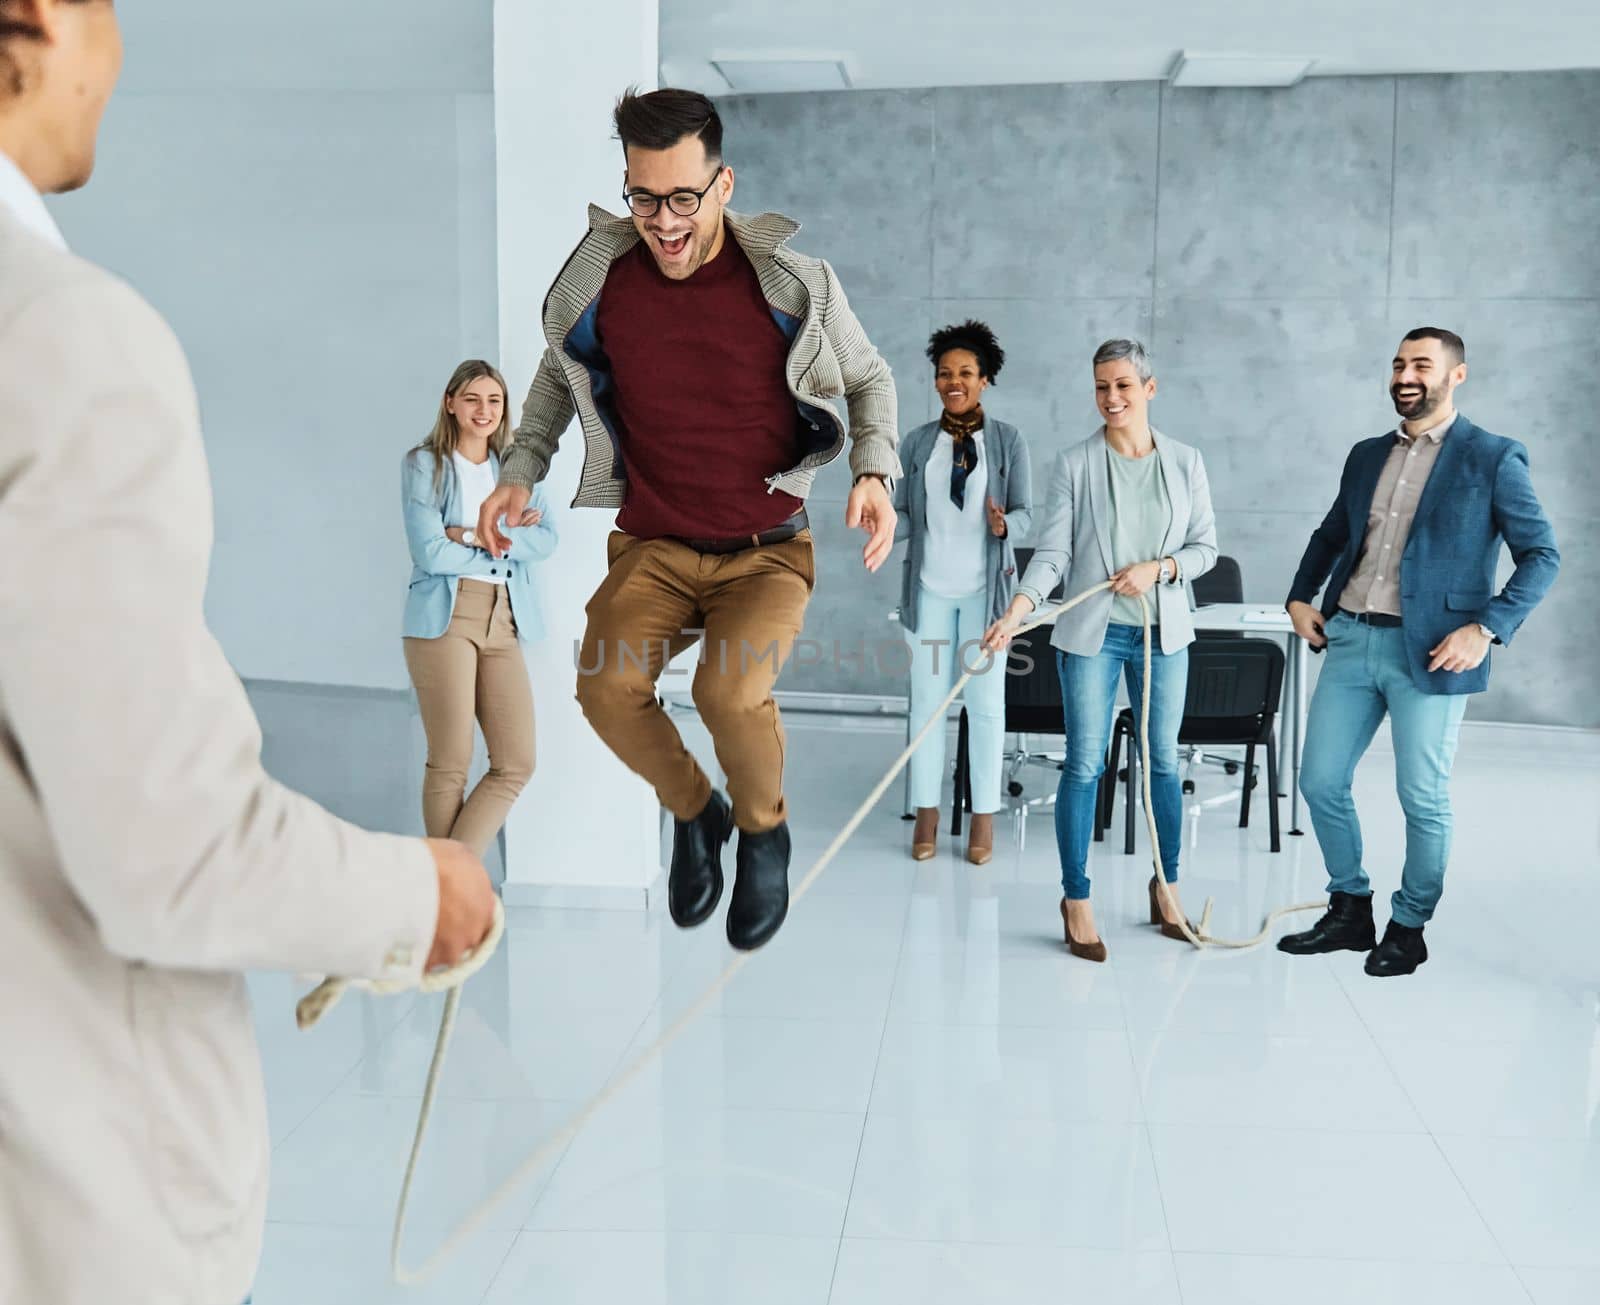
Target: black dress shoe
column 761, row 892
column 1400, row 952
column 694, row 884
column 1345, row 927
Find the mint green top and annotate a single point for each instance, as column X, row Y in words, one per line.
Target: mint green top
column 1140, row 513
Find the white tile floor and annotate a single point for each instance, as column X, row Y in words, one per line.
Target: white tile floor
column 915, row 1094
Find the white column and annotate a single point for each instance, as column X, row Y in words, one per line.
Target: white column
column 586, row 831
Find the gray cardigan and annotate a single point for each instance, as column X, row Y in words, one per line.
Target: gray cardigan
column 1010, row 484
column 1075, row 542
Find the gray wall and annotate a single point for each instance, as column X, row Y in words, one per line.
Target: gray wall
column 311, row 202
column 1271, row 247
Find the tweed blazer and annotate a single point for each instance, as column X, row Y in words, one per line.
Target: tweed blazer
column 830, row 362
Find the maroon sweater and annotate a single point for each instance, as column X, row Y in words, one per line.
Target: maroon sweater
column 703, row 408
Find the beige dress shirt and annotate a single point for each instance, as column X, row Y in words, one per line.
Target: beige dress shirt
column 1374, row 585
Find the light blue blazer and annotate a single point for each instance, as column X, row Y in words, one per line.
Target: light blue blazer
column 1074, row 543
column 437, row 561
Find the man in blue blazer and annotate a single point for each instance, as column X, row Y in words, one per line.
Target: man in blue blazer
column 1408, row 618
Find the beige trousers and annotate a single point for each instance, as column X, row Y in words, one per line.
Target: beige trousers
column 747, row 608
column 473, row 671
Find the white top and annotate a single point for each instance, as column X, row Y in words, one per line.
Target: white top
column 22, row 201
column 953, row 558
column 477, row 483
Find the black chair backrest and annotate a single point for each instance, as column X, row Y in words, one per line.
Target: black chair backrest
column 1223, row 583
column 1233, row 679
column 1033, row 685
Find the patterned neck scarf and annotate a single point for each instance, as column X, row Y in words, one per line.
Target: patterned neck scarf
column 964, row 455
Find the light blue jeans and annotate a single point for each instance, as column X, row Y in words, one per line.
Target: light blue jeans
column 947, row 642
column 1366, row 675
column 1089, row 695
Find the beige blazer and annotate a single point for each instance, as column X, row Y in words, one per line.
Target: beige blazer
column 145, row 857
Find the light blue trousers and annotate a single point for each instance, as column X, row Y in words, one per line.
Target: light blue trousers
column 1366, row 676
column 948, row 640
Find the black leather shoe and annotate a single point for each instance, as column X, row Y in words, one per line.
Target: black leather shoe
column 1400, row 952
column 694, row 884
column 761, row 892
column 1345, row 927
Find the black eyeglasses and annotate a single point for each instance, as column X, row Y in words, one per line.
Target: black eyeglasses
column 685, row 203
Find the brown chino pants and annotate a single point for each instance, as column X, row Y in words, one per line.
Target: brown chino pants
column 473, row 671
column 751, row 606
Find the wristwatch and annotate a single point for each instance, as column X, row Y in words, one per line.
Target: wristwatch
column 1487, row 632
column 469, row 537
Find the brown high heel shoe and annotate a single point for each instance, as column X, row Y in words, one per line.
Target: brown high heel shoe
column 980, row 840
column 1168, row 930
column 925, row 834
column 1095, row 951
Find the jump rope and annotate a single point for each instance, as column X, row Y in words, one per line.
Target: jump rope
column 316, row 1003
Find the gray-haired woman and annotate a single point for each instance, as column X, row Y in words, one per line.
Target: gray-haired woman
column 1131, row 506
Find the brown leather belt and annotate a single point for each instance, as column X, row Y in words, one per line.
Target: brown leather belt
column 788, row 530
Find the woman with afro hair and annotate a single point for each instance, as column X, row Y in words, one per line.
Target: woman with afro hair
column 964, row 501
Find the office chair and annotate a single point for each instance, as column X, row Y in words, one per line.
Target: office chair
column 1223, row 583
column 1234, row 690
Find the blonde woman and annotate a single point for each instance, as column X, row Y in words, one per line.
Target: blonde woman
column 468, row 613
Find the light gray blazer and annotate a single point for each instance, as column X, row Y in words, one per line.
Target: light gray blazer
column 1010, row 485
column 146, row 858
column 1074, row 541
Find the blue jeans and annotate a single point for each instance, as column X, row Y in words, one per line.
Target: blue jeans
column 1366, row 675
column 946, row 643
column 1089, row 695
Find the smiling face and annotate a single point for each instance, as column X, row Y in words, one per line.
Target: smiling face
column 681, row 244
column 479, row 408
column 1123, row 399
column 1422, row 380
column 959, row 381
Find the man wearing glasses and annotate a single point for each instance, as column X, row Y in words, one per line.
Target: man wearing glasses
column 702, row 356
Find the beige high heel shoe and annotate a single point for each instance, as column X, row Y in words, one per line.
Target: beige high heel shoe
column 925, row 834
column 980, row 840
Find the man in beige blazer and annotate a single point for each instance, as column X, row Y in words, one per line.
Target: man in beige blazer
column 145, row 857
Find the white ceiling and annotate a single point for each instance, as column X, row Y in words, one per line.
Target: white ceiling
column 915, row 43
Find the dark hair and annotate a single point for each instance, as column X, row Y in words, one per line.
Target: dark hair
column 1454, row 349
column 660, row 119
column 974, row 336
column 15, row 29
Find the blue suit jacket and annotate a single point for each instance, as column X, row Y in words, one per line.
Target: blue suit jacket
column 1478, row 494
column 437, row 561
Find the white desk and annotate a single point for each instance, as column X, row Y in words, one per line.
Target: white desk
column 1231, row 618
